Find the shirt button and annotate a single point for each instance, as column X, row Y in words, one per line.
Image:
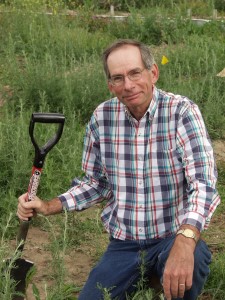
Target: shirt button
column 140, row 230
column 140, row 182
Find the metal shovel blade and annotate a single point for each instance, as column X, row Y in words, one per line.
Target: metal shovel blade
column 19, row 274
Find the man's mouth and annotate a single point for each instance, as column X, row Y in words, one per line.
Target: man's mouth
column 131, row 97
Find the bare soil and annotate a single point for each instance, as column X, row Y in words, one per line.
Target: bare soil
column 78, row 264
column 79, row 261
column 219, row 150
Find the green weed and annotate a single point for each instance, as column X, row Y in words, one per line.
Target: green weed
column 215, row 285
column 60, row 290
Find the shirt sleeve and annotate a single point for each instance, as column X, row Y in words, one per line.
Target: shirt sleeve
column 94, row 187
column 199, row 166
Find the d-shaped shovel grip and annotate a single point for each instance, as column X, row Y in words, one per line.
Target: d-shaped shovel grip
column 51, row 118
column 42, row 151
column 40, row 154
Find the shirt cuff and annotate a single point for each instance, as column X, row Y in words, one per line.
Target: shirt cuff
column 68, row 201
column 194, row 219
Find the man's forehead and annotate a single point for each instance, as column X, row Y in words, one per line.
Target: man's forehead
column 125, row 57
column 124, row 49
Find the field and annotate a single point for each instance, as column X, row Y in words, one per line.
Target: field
column 50, row 61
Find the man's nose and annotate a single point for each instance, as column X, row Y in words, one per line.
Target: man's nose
column 128, row 84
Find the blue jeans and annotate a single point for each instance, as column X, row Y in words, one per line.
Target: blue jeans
column 119, row 268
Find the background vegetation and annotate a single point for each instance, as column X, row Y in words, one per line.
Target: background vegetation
column 50, row 61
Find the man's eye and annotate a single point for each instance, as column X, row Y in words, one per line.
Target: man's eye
column 135, row 73
column 117, row 78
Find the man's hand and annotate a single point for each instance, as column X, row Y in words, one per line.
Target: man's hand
column 178, row 272
column 29, row 209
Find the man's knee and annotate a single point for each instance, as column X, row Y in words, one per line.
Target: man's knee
column 202, row 257
column 201, row 270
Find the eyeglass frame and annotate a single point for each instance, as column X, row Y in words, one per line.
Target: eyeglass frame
column 128, row 75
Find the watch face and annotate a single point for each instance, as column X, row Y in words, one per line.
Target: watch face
column 188, row 233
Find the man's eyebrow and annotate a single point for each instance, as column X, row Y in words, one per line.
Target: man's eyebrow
column 132, row 70
column 114, row 75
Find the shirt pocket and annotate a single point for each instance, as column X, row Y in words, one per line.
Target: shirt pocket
column 165, row 162
column 165, row 176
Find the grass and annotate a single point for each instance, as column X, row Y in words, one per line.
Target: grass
column 52, row 64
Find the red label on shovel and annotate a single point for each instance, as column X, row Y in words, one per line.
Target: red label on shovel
column 34, row 182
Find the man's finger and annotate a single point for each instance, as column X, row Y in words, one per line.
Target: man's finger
column 166, row 287
column 181, row 290
column 174, row 287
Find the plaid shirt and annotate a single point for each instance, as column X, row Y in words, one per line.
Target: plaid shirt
column 156, row 173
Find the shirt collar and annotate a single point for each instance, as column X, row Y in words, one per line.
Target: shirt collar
column 154, row 103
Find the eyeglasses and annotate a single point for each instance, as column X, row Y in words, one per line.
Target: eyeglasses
column 133, row 75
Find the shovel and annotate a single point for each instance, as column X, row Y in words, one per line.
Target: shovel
column 21, row 266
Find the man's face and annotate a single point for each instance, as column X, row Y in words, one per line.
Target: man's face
column 136, row 95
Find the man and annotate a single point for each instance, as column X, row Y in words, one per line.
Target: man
column 147, row 153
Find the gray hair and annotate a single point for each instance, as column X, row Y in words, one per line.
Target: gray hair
column 146, row 55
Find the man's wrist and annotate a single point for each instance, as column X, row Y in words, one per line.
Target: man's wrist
column 189, row 232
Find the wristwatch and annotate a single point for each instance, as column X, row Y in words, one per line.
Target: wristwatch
column 188, row 233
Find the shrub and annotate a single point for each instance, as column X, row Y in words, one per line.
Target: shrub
column 220, row 5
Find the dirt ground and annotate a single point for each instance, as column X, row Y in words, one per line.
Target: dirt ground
column 79, row 262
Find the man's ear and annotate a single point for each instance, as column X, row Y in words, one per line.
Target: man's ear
column 155, row 73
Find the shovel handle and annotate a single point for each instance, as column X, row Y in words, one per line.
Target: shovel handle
column 50, row 118
column 40, row 154
column 32, row 191
column 34, row 183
